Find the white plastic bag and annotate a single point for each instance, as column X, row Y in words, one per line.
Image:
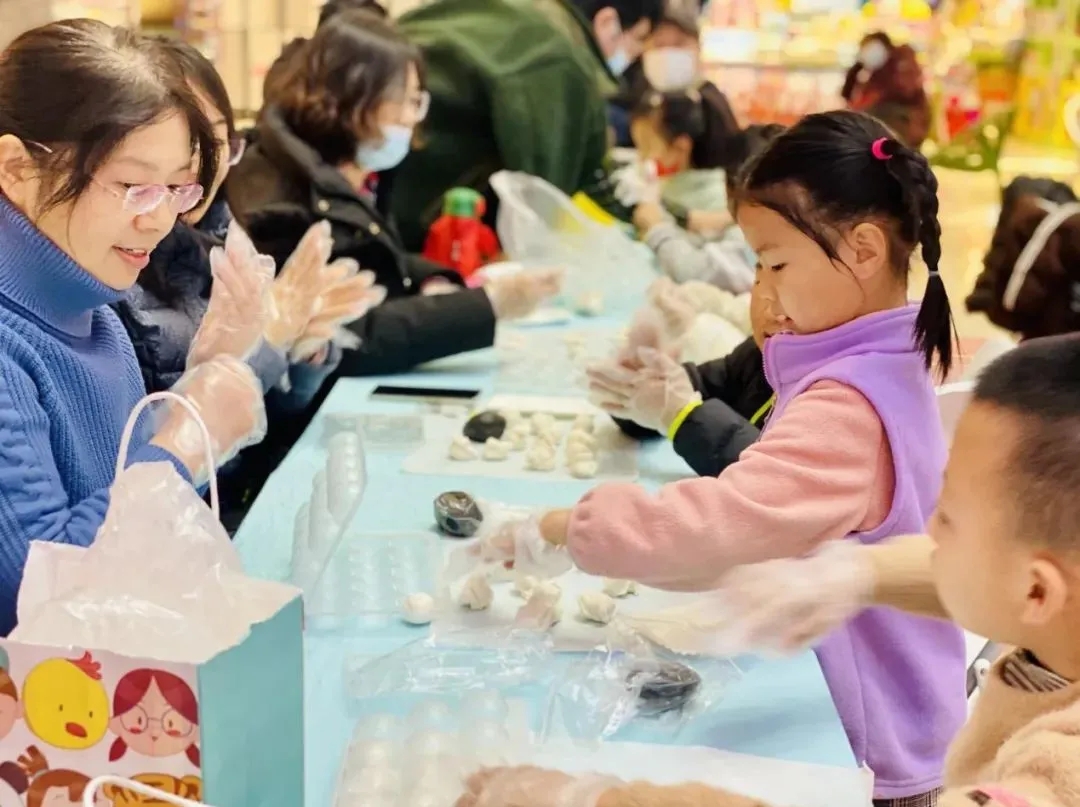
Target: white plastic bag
column 161, row 579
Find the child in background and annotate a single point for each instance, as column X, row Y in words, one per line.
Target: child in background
column 725, row 261
column 834, row 209
column 1002, row 559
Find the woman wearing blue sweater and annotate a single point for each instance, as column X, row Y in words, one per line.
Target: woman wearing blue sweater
column 97, row 137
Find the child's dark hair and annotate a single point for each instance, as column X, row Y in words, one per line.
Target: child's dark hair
column 679, row 114
column 840, row 168
column 1039, row 383
column 746, row 145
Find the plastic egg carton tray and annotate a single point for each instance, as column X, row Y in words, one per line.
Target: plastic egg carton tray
column 422, row 758
column 368, row 577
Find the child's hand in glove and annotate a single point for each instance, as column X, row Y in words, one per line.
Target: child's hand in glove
column 518, row 295
column 652, row 396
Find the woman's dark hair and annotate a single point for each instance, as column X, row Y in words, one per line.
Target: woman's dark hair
column 746, row 145
column 331, row 8
column 821, row 175
column 684, row 19
column 630, row 12
column 676, row 113
column 200, row 71
column 79, row 87
column 336, row 81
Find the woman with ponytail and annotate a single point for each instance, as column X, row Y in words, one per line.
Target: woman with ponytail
column 834, row 208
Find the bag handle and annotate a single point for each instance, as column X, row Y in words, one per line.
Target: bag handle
column 128, row 784
column 129, row 428
column 1031, row 250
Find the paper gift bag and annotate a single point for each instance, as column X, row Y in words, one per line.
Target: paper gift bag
column 214, row 714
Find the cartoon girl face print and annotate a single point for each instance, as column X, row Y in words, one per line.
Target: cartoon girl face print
column 154, row 714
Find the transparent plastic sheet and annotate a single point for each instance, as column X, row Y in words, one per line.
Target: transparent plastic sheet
column 634, row 681
column 419, row 754
column 539, row 225
column 394, row 432
column 533, row 362
column 454, row 662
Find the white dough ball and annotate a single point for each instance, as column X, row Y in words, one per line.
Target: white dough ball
column 461, row 449
column 596, row 606
column 496, row 450
column 584, row 468
column 541, row 457
column 418, row 609
column 619, row 588
column 476, row 594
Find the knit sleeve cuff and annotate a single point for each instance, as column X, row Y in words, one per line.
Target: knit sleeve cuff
column 152, row 453
column 269, row 364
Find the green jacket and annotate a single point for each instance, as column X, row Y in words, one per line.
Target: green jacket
column 515, row 84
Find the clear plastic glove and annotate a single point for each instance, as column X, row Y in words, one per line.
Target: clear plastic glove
column 790, row 604
column 297, row 288
column 438, row 286
column 637, row 184
column 229, row 399
column 239, row 306
column 675, row 306
column 518, row 544
column 517, row 295
column 533, row 787
column 652, row 396
column 344, row 300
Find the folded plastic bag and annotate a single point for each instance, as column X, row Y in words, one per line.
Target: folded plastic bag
column 161, row 579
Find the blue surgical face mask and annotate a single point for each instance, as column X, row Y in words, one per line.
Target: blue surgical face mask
column 618, row 62
column 387, row 154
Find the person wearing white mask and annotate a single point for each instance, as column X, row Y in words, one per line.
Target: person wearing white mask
column 347, row 106
column 521, row 85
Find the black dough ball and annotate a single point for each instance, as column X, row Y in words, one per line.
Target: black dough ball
column 457, row 514
column 665, row 686
column 480, row 427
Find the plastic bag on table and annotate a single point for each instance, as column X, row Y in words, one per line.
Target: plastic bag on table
column 508, row 544
column 162, row 579
column 631, row 679
column 455, row 661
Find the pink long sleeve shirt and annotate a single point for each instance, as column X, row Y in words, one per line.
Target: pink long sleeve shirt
column 823, row 470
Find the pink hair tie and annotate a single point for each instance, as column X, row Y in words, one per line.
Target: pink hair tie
column 878, row 149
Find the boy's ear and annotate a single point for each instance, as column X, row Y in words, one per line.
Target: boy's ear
column 870, row 245
column 1048, row 591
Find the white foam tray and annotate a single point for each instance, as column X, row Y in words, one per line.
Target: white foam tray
column 617, row 455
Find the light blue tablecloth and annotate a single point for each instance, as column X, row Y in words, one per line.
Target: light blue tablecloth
column 780, row 709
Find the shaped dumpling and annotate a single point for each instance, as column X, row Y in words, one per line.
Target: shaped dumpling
column 543, row 608
column 476, row 594
column 518, row 436
column 619, row 588
column 584, row 423
column 461, row 449
column 496, row 449
column 596, row 606
column 540, row 457
column 542, row 421
column 525, row 585
column 583, row 439
column 418, row 609
column 583, row 468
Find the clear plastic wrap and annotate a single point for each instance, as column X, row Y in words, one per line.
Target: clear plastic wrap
column 392, row 432
column 630, row 680
column 454, row 662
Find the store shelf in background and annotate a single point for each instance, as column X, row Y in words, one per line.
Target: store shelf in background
column 777, row 93
column 18, row 16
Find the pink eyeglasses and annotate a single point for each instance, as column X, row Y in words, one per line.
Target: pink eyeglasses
column 144, row 199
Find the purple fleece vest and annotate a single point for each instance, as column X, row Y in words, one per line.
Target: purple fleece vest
column 898, row 681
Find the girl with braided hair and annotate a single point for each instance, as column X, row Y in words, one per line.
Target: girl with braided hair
column 834, row 208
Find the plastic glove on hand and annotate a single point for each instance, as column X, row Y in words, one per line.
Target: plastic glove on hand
column 229, row 399
column 790, row 604
column 533, row 787
column 637, row 184
column 661, row 390
column 518, row 295
column 298, row 286
column 239, row 305
column 676, row 311
column 345, row 301
column 517, row 544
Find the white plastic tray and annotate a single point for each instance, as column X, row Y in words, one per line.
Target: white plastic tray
column 617, row 455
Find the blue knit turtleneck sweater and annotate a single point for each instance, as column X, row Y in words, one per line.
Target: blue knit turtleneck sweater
column 68, row 381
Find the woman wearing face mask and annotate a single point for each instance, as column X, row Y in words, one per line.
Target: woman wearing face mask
column 97, row 137
column 886, row 81
column 348, row 106
column 173, row 299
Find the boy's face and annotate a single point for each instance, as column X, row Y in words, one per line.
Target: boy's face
column 992, row 579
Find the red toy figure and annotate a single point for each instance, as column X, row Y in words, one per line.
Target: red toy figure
column 458, row 238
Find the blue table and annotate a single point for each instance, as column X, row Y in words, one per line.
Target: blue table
column 780, row 709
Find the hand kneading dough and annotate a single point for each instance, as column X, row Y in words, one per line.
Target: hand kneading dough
column 583, row 469
column 541, row 457
column 418, row 609
column 496, row 449
column 619, row 588
column 476, row 595
column 596, row 606
column 461, row 449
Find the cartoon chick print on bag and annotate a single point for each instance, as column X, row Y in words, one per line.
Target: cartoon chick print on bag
column 155, row 714
column 65, row 703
